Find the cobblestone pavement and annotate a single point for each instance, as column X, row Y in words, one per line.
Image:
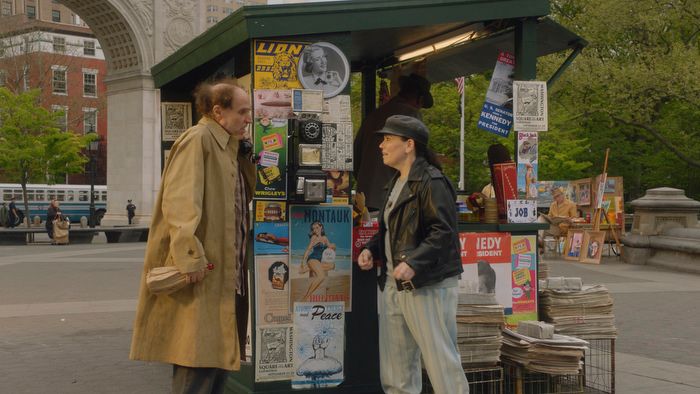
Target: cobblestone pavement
column 66, row 314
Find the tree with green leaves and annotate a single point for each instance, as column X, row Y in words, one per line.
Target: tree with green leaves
column 32, row 148
column 635, row 88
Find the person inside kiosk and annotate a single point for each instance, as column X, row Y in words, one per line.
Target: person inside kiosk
column 417, row 239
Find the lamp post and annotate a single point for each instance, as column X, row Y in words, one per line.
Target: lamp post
column 93, row 148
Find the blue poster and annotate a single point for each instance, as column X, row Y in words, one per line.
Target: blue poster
column 496, row 119
column 497, row 114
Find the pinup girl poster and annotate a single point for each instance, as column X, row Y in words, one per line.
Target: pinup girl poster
column 320, row 254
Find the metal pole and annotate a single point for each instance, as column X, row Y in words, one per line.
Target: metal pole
column 461, row 143
column 91, row 221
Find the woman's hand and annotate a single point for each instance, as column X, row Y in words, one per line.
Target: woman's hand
column 403, row 271
column 365, row 260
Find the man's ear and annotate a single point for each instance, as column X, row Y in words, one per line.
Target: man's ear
column 216, row 112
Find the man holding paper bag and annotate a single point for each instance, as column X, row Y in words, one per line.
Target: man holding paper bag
column 198, row 232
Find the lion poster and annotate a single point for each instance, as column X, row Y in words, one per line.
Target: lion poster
column 275, row 64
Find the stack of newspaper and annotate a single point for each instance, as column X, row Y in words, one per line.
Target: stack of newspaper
column 479, row 323
column 560, row 355
column 585, row 313
column 542, row 270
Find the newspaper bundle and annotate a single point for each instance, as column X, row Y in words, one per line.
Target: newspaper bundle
column 561, row 355
column 587, row 313
column 479, row 323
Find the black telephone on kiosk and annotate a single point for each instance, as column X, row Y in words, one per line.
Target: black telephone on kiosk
column 307, row 181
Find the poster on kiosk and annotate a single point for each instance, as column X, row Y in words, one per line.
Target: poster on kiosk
column 303, row 250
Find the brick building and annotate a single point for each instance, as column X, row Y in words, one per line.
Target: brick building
column 44, row 45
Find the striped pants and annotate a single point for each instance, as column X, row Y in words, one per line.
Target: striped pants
column 414, row 323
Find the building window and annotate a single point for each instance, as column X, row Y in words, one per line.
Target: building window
column 31, row 12
column 89, row 120
column 61, row 120
column 89, row 84
column 89, row 48
column 59, row 80
column 55, row 16
column 228, row 10
column 212, row 19
column 59, row 44
column 27, row 44
column 6, row 7
column 212, row 8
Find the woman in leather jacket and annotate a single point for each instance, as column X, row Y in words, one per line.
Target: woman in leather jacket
column 417, row 239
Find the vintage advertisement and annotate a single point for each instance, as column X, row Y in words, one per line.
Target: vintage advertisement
column 272, row 105
column 321, row 251
column 275, row 350
column 497, row 113
column 270, row 228
column 530, row 105
column 486, row 259
column 337, row 109
column 270, row 146
column 319, row 345
column 522, row 211
column 272, row 290
column 176, row 118
column 524, row 279
column 338, row 184
column 275, row 64
column 337, row 146
column 307, row 100
column 527, row 181
column 527, row 147
column 323, row 66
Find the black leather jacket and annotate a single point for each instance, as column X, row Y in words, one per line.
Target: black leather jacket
column 423, row 225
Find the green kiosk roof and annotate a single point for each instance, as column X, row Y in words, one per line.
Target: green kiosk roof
column 380, row 28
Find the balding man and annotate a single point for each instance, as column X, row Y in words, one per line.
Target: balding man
column 199, row 226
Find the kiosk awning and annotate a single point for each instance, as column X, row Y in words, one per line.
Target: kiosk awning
column 378, row 29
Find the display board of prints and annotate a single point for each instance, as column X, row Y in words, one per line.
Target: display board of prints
column 527, row 165
column 274, row 348
column 275, row 64
column 319, row 345
column 270, row 147
column 497, row 113
column 321, row 253
column 530, row 105
column 486, row 259
column 175, row 118
column 524, row 279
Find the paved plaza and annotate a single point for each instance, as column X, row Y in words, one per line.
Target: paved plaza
column 66, row 314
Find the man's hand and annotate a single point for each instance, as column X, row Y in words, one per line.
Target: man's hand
column 404, row 272
column 198, row 276
column 365, row 260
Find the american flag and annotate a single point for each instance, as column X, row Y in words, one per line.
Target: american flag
column 460, row 84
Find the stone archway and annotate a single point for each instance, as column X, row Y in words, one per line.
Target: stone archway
column 135, row 35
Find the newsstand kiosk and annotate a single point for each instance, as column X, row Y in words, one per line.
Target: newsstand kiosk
column 313, row 313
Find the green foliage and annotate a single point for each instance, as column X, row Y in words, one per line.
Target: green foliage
column 32, row 148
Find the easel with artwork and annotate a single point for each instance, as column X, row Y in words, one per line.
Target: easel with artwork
column 591, row 249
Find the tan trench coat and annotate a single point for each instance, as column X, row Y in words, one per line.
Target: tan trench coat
column 194, row 223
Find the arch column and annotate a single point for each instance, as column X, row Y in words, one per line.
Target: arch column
column 133, row 147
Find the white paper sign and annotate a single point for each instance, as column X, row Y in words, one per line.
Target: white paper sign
column 530, row 105
column 522, row 211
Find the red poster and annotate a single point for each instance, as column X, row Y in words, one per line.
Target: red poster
column 360, row 236
column 489, row 247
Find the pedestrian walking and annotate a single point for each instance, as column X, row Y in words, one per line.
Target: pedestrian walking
column 130, row 210
column 199, row 225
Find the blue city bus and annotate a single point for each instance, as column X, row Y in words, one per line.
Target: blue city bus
column 74, row 200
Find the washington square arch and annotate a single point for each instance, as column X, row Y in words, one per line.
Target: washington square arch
column 135, row 35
